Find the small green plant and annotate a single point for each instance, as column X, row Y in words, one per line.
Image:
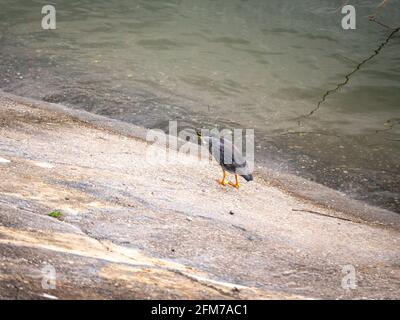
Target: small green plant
column 55, row 214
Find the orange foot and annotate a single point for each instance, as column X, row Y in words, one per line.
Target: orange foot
column 222, row 182
column 235, row 185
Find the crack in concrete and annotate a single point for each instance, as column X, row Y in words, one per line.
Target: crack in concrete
column 324, row 215
column 206, row 284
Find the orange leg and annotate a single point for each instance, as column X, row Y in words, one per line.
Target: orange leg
column 236, row 184
column 223, row 182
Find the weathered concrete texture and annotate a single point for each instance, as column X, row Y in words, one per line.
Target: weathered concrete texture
column 134, row 229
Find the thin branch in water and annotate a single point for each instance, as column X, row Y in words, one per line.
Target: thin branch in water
column 379, row 8
column 380, row 23
column 357, row 68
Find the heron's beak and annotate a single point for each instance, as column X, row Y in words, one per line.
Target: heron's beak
column 199, row 136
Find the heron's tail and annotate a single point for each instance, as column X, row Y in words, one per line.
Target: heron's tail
column 248, row 177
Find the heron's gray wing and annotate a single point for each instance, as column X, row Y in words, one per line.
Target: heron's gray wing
column 228, row 155
column 239, row 162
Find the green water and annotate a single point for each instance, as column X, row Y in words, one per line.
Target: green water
column 230, row 63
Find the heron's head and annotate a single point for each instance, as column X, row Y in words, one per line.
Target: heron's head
column 200, row 136
column 198, row 132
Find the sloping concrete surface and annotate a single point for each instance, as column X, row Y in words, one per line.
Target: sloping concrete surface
column 134, row 229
